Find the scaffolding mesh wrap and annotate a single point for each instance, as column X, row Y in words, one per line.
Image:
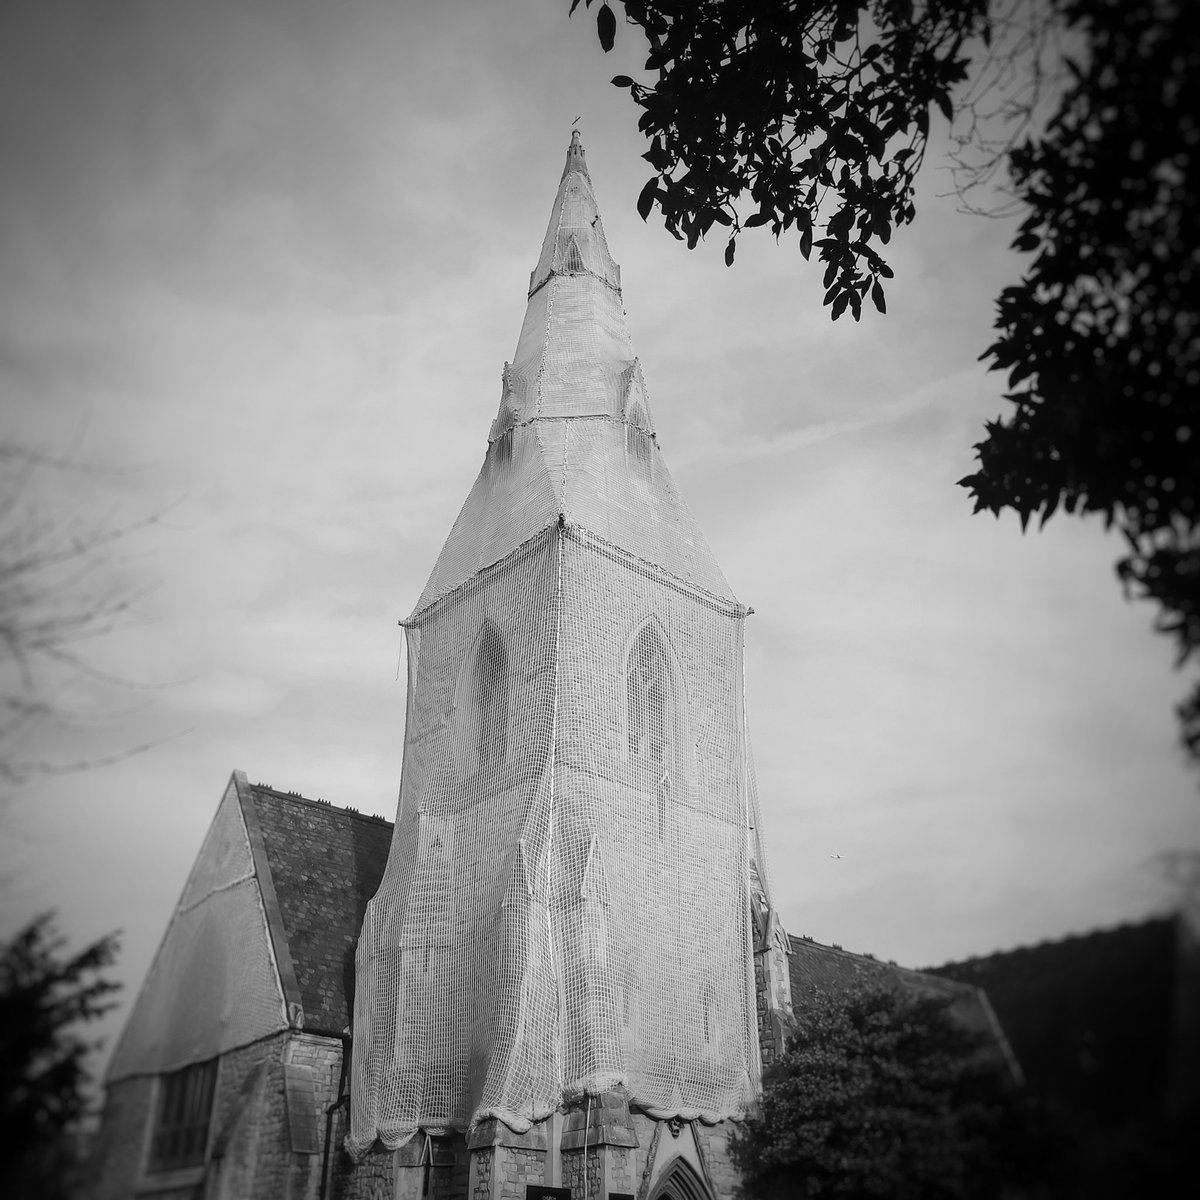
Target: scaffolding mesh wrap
column 567, row 904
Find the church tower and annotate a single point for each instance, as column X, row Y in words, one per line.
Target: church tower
column 572, row 947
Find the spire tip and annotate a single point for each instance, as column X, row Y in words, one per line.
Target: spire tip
column 575, row 158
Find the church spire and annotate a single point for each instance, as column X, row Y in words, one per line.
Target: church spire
column 574, row 356
column 573, row 439
column 574, row 243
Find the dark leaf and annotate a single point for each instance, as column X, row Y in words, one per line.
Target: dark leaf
column 730, row 246
column 1101, row 337
column 606, row 27
column 645, row 200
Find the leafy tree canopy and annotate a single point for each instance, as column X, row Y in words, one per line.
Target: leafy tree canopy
column 881, row 1093
column 1101, row 337
column 45, row 995
column 817, row 114
column 814, row 116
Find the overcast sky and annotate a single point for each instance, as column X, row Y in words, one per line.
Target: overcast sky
column 260, row 266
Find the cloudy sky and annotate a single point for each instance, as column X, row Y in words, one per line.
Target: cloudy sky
column 261, row 262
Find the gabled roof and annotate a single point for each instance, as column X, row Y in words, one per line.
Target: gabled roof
column 1091, row 1018
column 317, row 866
column 263, row 936
column 817, row 970
column 214, row 983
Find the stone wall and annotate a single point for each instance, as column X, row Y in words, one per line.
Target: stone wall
column 522, row 1167
column 426, row 1168
column 254, row 1132
column 449, row 1178
column 120, row 1145
column 503, row 1163
column 252, row 1155
column 312, row 1072
column 714, row 1147
column 773, row 1001
column 247, row 1141
column 483, row 1162
column 266, row 1135
column 371, row 1179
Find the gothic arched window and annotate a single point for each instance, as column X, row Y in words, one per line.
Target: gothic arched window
column 648, row 698
column 481, row 705
column 491, row 696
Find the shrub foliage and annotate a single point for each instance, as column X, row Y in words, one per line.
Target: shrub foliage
column 882, row 1093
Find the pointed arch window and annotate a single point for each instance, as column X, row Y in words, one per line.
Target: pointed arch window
column 649, row 698
column 491, row 697
column 572, row 259
column 481, row 705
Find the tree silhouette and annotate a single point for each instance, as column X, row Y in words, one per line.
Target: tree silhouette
column 882, row 1093
column 813, row 116
column 1101, row 337
column 45, row 996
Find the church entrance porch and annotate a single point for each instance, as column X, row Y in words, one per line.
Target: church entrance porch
column 595, row 1150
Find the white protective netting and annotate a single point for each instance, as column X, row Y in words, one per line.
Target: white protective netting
column 566, row 907
column 213, row 984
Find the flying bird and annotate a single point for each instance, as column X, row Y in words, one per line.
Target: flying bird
column 835, row 856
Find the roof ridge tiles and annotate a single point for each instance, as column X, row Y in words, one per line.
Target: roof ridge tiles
column 806, row 939
column 296, row 797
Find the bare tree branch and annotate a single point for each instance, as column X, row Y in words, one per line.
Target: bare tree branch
column 59, row 589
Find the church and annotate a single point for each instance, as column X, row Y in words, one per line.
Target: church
column 572, row 947
column 560, row 974
column 567, row 917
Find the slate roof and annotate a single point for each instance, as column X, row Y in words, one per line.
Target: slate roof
column 324, row 864
column 816, row 969
column 1090, row 1018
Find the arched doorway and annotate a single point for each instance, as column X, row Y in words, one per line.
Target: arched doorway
column 680, row 1182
